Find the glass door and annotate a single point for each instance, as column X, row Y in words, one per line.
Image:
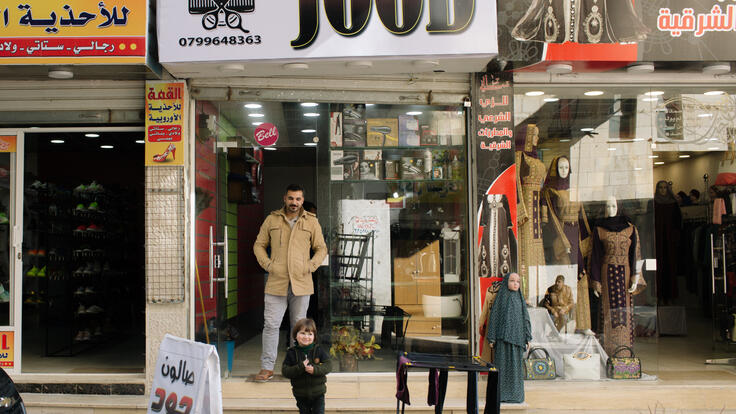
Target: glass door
column 11, row 221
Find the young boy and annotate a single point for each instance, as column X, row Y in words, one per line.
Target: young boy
column 307, row 366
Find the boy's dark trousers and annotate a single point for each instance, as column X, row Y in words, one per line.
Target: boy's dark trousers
column 313, row 406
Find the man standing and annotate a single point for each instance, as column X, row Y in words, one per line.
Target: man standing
column 290, row 232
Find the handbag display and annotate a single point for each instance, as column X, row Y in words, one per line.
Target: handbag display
column 539, row 368
column 623, row 367
column 582, row 365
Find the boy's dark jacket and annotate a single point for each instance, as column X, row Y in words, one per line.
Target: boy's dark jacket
column 304, row 385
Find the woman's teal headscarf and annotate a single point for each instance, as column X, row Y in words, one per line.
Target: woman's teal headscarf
column 509, row 319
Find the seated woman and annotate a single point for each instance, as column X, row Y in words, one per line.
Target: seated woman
column 558, row 301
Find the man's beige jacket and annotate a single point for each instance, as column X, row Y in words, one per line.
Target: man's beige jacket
column 290, row 261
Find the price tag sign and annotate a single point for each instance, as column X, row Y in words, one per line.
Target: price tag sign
column 187, row 379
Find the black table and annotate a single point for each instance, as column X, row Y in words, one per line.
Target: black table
column 444, row 363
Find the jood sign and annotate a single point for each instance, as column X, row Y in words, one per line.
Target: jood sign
column 227, row 30
column 408, row 12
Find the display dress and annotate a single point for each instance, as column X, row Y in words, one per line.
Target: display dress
column 667, row 223
column 569, row 224
column 494, row 256
column 581, row 21
column 616, row 250
column 509, row 330
column 529, row 180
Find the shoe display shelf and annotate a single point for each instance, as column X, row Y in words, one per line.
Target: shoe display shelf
column 79, row 232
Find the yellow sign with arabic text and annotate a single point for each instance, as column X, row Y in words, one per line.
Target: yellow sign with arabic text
column 73, row 31
column 7, row 345
column 8, row 143
column 165, row 109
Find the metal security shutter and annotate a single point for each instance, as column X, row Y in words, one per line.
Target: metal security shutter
column 421, row 89
column 71, row 102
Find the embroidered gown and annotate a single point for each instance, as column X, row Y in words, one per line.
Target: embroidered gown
column 616, row 250
column 529, row 185
column 565, row 217
column 495, row 255
column 581, row 21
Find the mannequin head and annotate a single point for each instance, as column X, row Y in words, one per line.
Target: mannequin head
column 514, row 282
column 563, row 167
column 532, row 137
column 611, row 207
column 558, row 175
column 662, row 188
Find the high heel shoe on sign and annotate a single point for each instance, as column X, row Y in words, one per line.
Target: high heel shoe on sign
column 162, row 157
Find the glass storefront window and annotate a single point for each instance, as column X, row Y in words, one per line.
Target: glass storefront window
column 600, row 169
column 389, row 187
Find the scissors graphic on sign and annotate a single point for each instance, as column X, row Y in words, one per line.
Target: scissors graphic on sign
column 233, row 20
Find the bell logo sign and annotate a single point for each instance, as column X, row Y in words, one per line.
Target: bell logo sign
column 266, row 134
column 360, row 11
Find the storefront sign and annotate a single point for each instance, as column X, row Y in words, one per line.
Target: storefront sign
column 266, row 134
column 73, row 31
column 203, row 31
column 186, row 378
column 493, row 128
column 165, row 109
column 7, row 342
column 7, row 143
column 625, row 30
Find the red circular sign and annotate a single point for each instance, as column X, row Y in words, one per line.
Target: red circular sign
column 267, row 134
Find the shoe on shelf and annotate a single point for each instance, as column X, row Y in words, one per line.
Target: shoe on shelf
column 88, row 290
column 79, row 337
column 33, row 272
column 41, row 252
column 32, row 252
column 80, row 309
column 94, row 309
column 79, row 291
column 42, row 272
column 264, row 375
column 80, row 208
column 3, row 218
column 4, row 294
column 94, row 228
column 93, row 206
column 80, row 188
column 81, row 228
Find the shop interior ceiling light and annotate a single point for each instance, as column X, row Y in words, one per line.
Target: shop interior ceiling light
column 644, row 67
column 269, row 148
column 414, row 113
column 654, row 93
column 60, row 73
column 256, row 123
column 309, row 104
column 534, row 93
column 311, row 114
column 254, row 115
column 309, row 131
column 649, row 99
column 92, row 135
column 587, row 129
column 714, row 93
column 559, row 68
column 551, row 99
column 685, row 156
column 253, row 106
column 717, row 68
column 57, row 141
column 593, row 93
column 659, row 163
column 140, row 141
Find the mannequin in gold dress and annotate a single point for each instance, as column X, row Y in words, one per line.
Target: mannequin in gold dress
column 565, row 217
column 529, row 179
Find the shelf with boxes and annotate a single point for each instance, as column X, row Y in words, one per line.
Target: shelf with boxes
column 426, row 146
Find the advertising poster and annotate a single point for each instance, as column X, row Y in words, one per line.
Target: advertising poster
column 165, row 109
column 8, row 143
column 7, row 354
column 625, row 30
column 73, row 31
column 186, row 378
column 493, row 127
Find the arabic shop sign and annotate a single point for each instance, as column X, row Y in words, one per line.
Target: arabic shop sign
column 242, row 30
column 186, row 379
column 73, row 31
column 667, row 30
column 165, row 123
column 7, row 345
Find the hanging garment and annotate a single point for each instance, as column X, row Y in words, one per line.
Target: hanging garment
column 719, row 209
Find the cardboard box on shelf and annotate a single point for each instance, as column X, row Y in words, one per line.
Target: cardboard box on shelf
column 408, row 131
column 383, row 132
